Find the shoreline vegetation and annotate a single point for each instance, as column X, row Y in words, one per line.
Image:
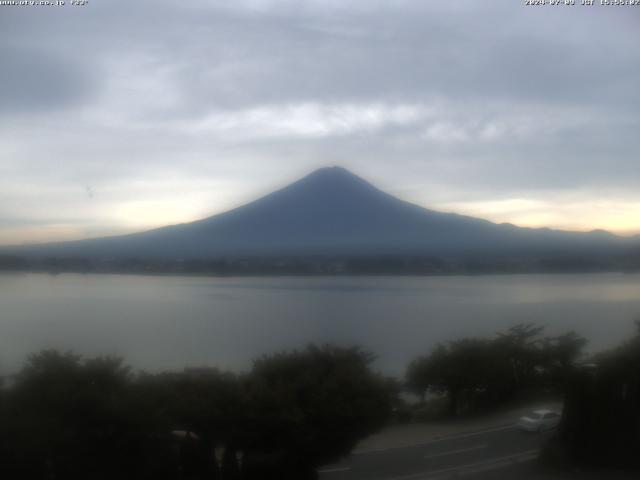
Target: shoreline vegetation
column 325, row 265
column 62, row 416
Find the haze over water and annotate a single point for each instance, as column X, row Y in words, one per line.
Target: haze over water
column 169, row 322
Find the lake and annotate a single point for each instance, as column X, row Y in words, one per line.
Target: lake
column 169, row 322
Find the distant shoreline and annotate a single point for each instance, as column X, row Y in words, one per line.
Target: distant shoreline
column 145, row 273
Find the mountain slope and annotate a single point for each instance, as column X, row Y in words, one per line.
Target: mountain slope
column 332, row 211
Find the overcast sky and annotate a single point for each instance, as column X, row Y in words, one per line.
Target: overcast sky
column 119, row 116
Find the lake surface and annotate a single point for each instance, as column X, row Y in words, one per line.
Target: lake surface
column 168, row 322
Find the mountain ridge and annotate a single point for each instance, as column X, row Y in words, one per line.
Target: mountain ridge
column 333, row 211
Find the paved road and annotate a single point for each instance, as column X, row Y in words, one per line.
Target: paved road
column 485, row 454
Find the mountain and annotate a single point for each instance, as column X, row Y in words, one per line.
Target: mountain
column 334, row 212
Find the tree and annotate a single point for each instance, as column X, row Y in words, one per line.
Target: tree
column 476, row 372
column 558, row 358
column 520, row 346
column 461, row 366
column 601, row 420
column 206, row 402
column 65, row 417
column 310, row 407
column 71, row 419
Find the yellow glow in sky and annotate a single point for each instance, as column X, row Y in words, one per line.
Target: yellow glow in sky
column 615, row 216
column 129, row 216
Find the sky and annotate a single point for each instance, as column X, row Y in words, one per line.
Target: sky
column 121, row 116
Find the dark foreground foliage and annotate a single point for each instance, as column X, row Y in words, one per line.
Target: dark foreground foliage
column 478, row 373
column 63, row 417
column 601, row 422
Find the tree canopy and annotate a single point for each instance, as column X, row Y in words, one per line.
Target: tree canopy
column 476, row 372
column 66, row 417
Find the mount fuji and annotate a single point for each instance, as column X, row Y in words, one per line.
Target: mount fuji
column 334, row 212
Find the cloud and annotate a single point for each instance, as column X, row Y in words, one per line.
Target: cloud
column 441, row 103
column 36, row 80
column 308, row 120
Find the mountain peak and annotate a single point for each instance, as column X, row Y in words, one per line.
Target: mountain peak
column 333, row 178
column 333, row 173
column 334, row 170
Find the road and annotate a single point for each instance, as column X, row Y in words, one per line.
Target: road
column 501, row 452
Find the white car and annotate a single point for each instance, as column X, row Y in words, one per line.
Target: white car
column 539, row 421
